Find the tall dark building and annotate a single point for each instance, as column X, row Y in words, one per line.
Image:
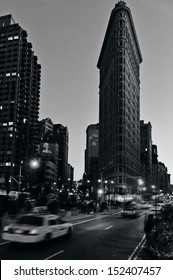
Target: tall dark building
column 48, row 152
column 163, row 179
column 61, row 136
column 48, row 169
column 19, row 97
column 146, row 153
column 70, row 176
column 155, row 175
column 92, row 157
column 160, row 176
column 45, row 129
column 119, row 102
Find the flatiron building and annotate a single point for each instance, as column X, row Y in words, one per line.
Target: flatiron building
column 119, row 103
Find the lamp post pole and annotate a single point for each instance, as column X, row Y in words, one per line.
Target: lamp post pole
column 11, row 177
column 139, row 181
column 100, row 192
column 20, row 177
column 101, row 186
column 34, row 164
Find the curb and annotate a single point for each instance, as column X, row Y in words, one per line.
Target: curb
column 137, row 250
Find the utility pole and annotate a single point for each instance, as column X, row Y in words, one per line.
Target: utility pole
column 20, row 177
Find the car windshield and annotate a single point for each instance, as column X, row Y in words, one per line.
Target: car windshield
column 130, row 206
column 31, row 220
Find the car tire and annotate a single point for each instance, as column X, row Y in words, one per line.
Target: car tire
column 69, row 232
column 48, row 236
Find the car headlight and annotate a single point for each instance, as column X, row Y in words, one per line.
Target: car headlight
column 33, row 232
column 18, row 231
column 6, row 229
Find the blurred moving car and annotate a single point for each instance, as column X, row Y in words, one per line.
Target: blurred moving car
column 144, row 205
column 155, row 209
column 32, row 228
column 130, row 209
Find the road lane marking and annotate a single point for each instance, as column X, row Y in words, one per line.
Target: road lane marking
column 113, row 214
column 109, row 227
column 4, row 243
column 75, row 224
column 58, row 253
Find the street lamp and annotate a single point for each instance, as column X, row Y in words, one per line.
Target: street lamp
column 34, row 163
column 100, row 181
column 100, row 192
column 18, row 182
column 143, row 192
column 140, row 184
column 20, row 176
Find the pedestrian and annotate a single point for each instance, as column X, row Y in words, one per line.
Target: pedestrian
column 148, row 227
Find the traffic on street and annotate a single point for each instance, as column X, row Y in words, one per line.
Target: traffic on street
column 99, row 236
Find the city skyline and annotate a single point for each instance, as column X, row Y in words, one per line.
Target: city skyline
column 67, row 37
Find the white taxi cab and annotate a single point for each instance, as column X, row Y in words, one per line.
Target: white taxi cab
column 32, row 228
column 130, row 209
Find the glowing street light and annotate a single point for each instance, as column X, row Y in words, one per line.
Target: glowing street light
column 34, row 163
column 100, row 192
column 140, row 182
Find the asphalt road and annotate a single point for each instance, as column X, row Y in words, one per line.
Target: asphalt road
column 106, row 237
